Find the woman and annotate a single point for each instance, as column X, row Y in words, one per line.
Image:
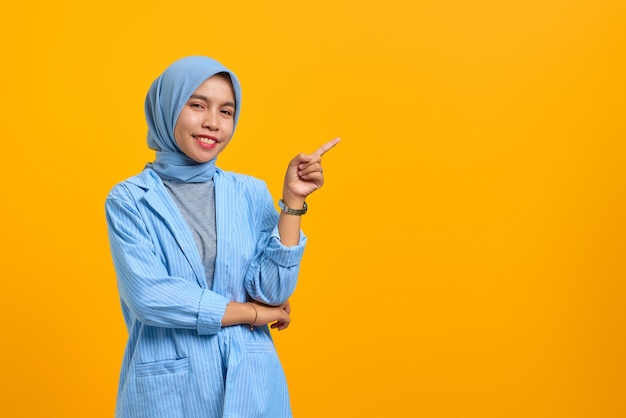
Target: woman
column 204, row 262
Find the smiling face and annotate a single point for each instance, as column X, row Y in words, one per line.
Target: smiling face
column 206, row 122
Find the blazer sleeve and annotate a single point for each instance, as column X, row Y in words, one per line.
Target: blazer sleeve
column 153, row 296
column 273, row 274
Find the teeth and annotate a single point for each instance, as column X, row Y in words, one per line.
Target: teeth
column 206, row 140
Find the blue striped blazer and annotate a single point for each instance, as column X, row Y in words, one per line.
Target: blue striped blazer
column 179, row 361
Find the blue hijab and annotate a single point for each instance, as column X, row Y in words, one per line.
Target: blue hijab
column 166, row 98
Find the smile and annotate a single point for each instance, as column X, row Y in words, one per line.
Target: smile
column 206, row 140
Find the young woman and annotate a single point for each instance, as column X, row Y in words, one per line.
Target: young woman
column 204, row 262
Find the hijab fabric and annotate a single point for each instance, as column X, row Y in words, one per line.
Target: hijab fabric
column 165, row 100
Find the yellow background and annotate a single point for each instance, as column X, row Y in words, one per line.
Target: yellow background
column 466, row 255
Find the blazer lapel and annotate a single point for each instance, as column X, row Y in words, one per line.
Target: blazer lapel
column 228, row 198
column 160, row 201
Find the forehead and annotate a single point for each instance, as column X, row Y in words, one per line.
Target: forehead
column 218, row 86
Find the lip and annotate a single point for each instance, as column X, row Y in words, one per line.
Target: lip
column 204, row 144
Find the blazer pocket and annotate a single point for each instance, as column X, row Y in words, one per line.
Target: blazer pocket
column 156, row 368
column 161, row 386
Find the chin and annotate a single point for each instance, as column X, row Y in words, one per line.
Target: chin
column 201, row 159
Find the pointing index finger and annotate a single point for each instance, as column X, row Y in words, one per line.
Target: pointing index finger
column 326, row 147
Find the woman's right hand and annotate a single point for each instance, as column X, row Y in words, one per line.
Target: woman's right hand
column 278, row 316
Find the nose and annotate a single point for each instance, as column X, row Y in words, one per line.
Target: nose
column 210, row 121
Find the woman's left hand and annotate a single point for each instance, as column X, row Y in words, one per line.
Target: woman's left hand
column 305, row 174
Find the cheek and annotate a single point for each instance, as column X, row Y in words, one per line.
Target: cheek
column 230, row 127
column 177, row 134
column 181, row 133
column 180, row 123
column 183, row 125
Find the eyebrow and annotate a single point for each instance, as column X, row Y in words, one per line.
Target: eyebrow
column 206, row 99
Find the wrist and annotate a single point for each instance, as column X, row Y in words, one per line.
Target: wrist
column 293, row 201
column 290, row 210
column 255, row 313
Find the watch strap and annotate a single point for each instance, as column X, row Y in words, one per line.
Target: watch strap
column 290, row 211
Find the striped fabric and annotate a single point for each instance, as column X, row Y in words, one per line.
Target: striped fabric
column 179, row 361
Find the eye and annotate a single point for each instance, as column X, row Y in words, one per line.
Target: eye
column 196, row 105
column 227, row 112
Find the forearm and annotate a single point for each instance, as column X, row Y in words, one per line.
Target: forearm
column 257, row 314
column 289, row 225
column 239, row 313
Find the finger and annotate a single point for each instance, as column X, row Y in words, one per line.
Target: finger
column 280, row 325
column 311, row 171
column 315, row 162
column 326, row 147
column 302, row 158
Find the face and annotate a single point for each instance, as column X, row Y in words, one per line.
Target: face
column 206, row 123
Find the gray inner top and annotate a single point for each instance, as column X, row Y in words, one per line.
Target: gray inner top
column 196, row 202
